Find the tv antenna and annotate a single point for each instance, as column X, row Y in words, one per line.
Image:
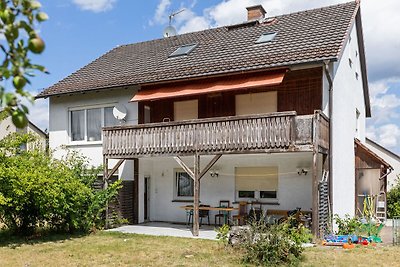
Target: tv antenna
column 170, row 30
column 173, row 14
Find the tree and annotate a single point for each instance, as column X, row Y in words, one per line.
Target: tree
column 18, row 19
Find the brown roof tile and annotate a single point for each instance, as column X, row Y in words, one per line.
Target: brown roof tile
column 302, row 37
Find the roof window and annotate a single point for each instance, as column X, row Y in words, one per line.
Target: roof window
column 266, row 37
column 183, row 50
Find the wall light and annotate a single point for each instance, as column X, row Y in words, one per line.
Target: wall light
column 214, row 173
column 301, row 171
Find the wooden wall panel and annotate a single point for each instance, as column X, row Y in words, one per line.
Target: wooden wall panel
column 300, row 91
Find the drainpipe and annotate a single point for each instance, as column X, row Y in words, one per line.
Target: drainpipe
column 330, row 81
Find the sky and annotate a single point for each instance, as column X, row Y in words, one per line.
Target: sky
column 79, row 31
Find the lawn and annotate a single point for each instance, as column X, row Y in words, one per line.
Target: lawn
column 113, row 249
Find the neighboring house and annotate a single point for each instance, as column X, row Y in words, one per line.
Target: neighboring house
column 390, row 157
column 271, row 106
column 7, row 127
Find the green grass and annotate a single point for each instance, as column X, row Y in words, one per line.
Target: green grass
column 114, row 249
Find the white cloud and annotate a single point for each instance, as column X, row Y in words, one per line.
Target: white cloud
column 385, row 104
column 161, row 14
column 387, row 135
column 95, row 5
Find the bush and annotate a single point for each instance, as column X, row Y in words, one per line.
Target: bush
column 38, row 191
column 271, row 245
column 347, row 225
column 393, row 200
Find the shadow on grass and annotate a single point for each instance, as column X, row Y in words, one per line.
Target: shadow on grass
column 8, row 239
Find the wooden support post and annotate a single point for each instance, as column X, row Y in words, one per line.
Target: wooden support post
column 105, row 186
column 315, row 196
column 315, row 180
column 196, row 198
column 209, row 165
column 115, row 168
column 136, row 191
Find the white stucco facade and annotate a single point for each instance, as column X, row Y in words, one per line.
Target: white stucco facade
column 7, row 127
column 389, row 157
column 348, row 122
column 294, row 190
column 59, row 124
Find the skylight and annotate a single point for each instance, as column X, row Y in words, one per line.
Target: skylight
column 183, row 50
column 266, row 37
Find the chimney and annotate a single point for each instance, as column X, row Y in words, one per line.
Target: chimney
column 255, row 12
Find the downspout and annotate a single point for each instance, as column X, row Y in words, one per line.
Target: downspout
column 330, row 81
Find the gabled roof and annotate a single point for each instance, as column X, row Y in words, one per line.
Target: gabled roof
column 371, row 154
column 302, row 37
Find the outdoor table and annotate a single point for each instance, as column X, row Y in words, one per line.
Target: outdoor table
column 226, row 209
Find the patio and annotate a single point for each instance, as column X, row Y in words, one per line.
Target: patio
column 167, row 229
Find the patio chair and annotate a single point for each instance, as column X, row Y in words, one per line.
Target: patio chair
column 242, row 216
column 204, row 214
column 222, row 214
column 189, row 215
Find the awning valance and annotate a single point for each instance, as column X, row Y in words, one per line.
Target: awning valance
column 211, row 86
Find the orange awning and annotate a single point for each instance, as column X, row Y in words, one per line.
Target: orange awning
column 211, row 86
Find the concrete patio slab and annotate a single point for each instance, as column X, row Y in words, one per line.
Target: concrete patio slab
column 167, row 229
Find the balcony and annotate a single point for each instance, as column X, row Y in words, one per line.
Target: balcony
column 265, row 133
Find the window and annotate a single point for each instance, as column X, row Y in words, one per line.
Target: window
column 184, row 184
column 185, row 110
column 183, row 50
column 256, row 183
column 86, row 124
column 78, row 125
column 94, row 124
column 266, row 37
column 258, row 103
column 109, row 119
column 358, row 123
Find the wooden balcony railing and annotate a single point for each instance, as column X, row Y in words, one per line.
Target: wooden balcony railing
column 274, row 132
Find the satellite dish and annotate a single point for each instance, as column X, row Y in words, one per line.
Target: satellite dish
column 169, row 31
column 119, row 112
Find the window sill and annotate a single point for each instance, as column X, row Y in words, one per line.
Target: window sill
column 183, row 200
column 84, row 143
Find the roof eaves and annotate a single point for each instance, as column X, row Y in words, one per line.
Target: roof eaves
column 363, row 63
column 186, row 77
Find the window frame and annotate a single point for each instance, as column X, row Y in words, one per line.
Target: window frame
column 271, row 37
column 176, row 52
column 85, row 109
column 176, row 189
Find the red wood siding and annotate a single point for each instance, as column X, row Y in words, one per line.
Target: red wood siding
column 301, row 91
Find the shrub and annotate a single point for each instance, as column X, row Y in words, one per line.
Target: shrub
column 223, row 233
column 347, row 225
column 393, row 200
column 39, row 191
column 276, row 244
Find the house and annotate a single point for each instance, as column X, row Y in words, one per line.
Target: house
column 390, row 157
column 264, row 111
column 7, row 127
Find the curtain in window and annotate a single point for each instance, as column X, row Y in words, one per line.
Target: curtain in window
column 185, row 185
column 109, row 119
column 94, row 124
column 78, row 125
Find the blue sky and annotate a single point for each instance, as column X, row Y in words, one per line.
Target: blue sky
column 81, row 30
